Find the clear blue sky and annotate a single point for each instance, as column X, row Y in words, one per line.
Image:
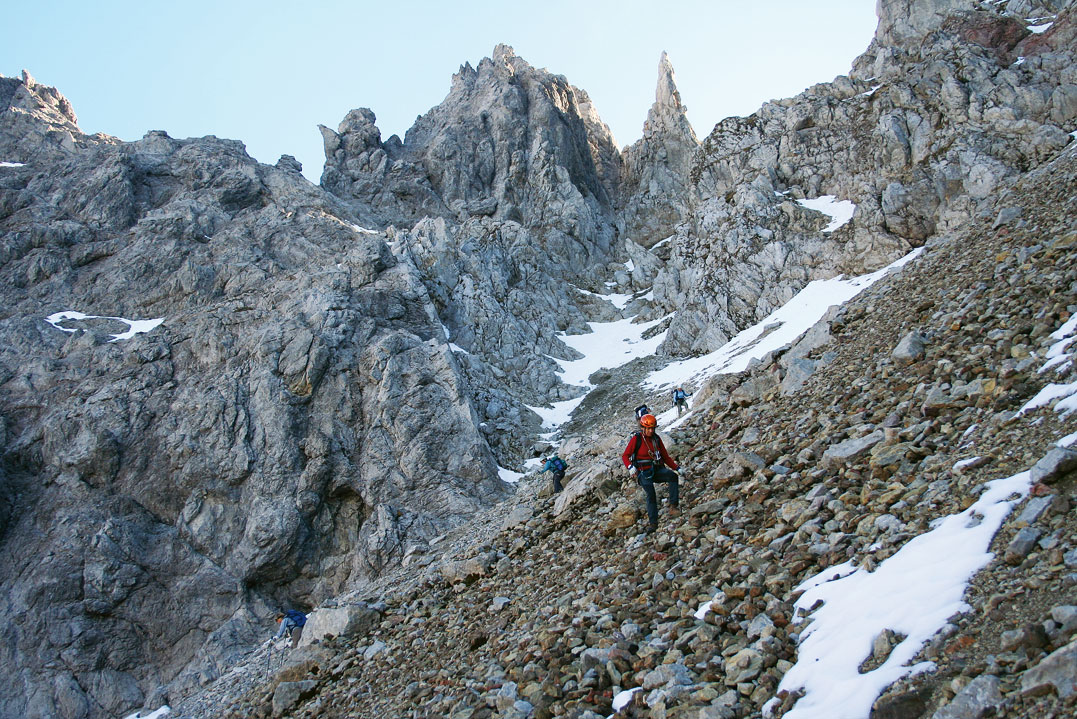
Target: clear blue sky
column 268, row 72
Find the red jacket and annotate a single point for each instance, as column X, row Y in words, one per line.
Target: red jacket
column 648, row 451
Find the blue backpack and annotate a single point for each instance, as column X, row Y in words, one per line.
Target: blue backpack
column 559, row 464
column 298, row 617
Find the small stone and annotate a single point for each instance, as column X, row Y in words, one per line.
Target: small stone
column 1053, row 465
column 1064, row 615
column 850, row 449
column 902, row 705
column 1058, row 670
column 288, row 694
column 1033, row 510
column 1030, row 636
column 981, row 696
column 1020, row 546
column 910, row 349
column 623, row 516
column 742, row 667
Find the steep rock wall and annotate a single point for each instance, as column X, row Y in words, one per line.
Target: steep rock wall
column 295, row 422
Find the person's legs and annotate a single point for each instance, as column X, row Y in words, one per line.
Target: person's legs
column 667, row 475
column 647, row 483
column 557, row 477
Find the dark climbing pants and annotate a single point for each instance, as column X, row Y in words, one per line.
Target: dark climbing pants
column 557, row 477
column 647, row 480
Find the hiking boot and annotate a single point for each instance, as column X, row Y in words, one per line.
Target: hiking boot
column 651, row 528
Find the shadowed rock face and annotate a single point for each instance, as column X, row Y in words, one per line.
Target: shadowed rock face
column 295, row 423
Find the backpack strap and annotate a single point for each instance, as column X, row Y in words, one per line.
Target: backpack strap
column 655, row 444
column 636, row 437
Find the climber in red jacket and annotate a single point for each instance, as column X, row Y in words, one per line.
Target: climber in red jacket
column 647, row 457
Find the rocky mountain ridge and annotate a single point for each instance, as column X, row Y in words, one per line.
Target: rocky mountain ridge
column 948, row 102
column 299, row 422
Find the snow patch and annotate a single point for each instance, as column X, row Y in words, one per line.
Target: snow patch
column 965, row 462
column 620, row 301
column 162, row 712
column 12, row 164
column 1060, row 356
column 839, row 211
column 135, row 326
column 608, row 345
column 913, row 593
column 1038, row 29
column 779, row 328
column 508, row 476
column 623, row 698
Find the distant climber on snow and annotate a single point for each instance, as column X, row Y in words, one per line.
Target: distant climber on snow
column 647, row 458
column 680, row 400
column 291, row 625
column 555, row 464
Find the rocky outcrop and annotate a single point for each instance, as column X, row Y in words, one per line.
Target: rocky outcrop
column 509, row 141
column 937, row 117
column 288, row 421
column 503, row 198
column 37, row 121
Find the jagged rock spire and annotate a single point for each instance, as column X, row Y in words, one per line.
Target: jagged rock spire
column 658, row 166
column 666, row 94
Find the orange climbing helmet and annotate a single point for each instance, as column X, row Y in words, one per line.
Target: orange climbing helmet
column 648, row 420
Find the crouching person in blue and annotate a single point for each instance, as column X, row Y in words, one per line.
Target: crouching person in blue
column 646, row 455
column 555, row 464
column 291, row 625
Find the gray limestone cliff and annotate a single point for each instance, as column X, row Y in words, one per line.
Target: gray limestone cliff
column 294, row 423
column 503, row 196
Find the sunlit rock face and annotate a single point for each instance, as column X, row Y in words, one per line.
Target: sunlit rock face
column 510, row 142
column 658, row 167
column 947, row 106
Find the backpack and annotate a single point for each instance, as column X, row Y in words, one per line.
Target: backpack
column 642, row 410
column 298, row 617
column 559, row 464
